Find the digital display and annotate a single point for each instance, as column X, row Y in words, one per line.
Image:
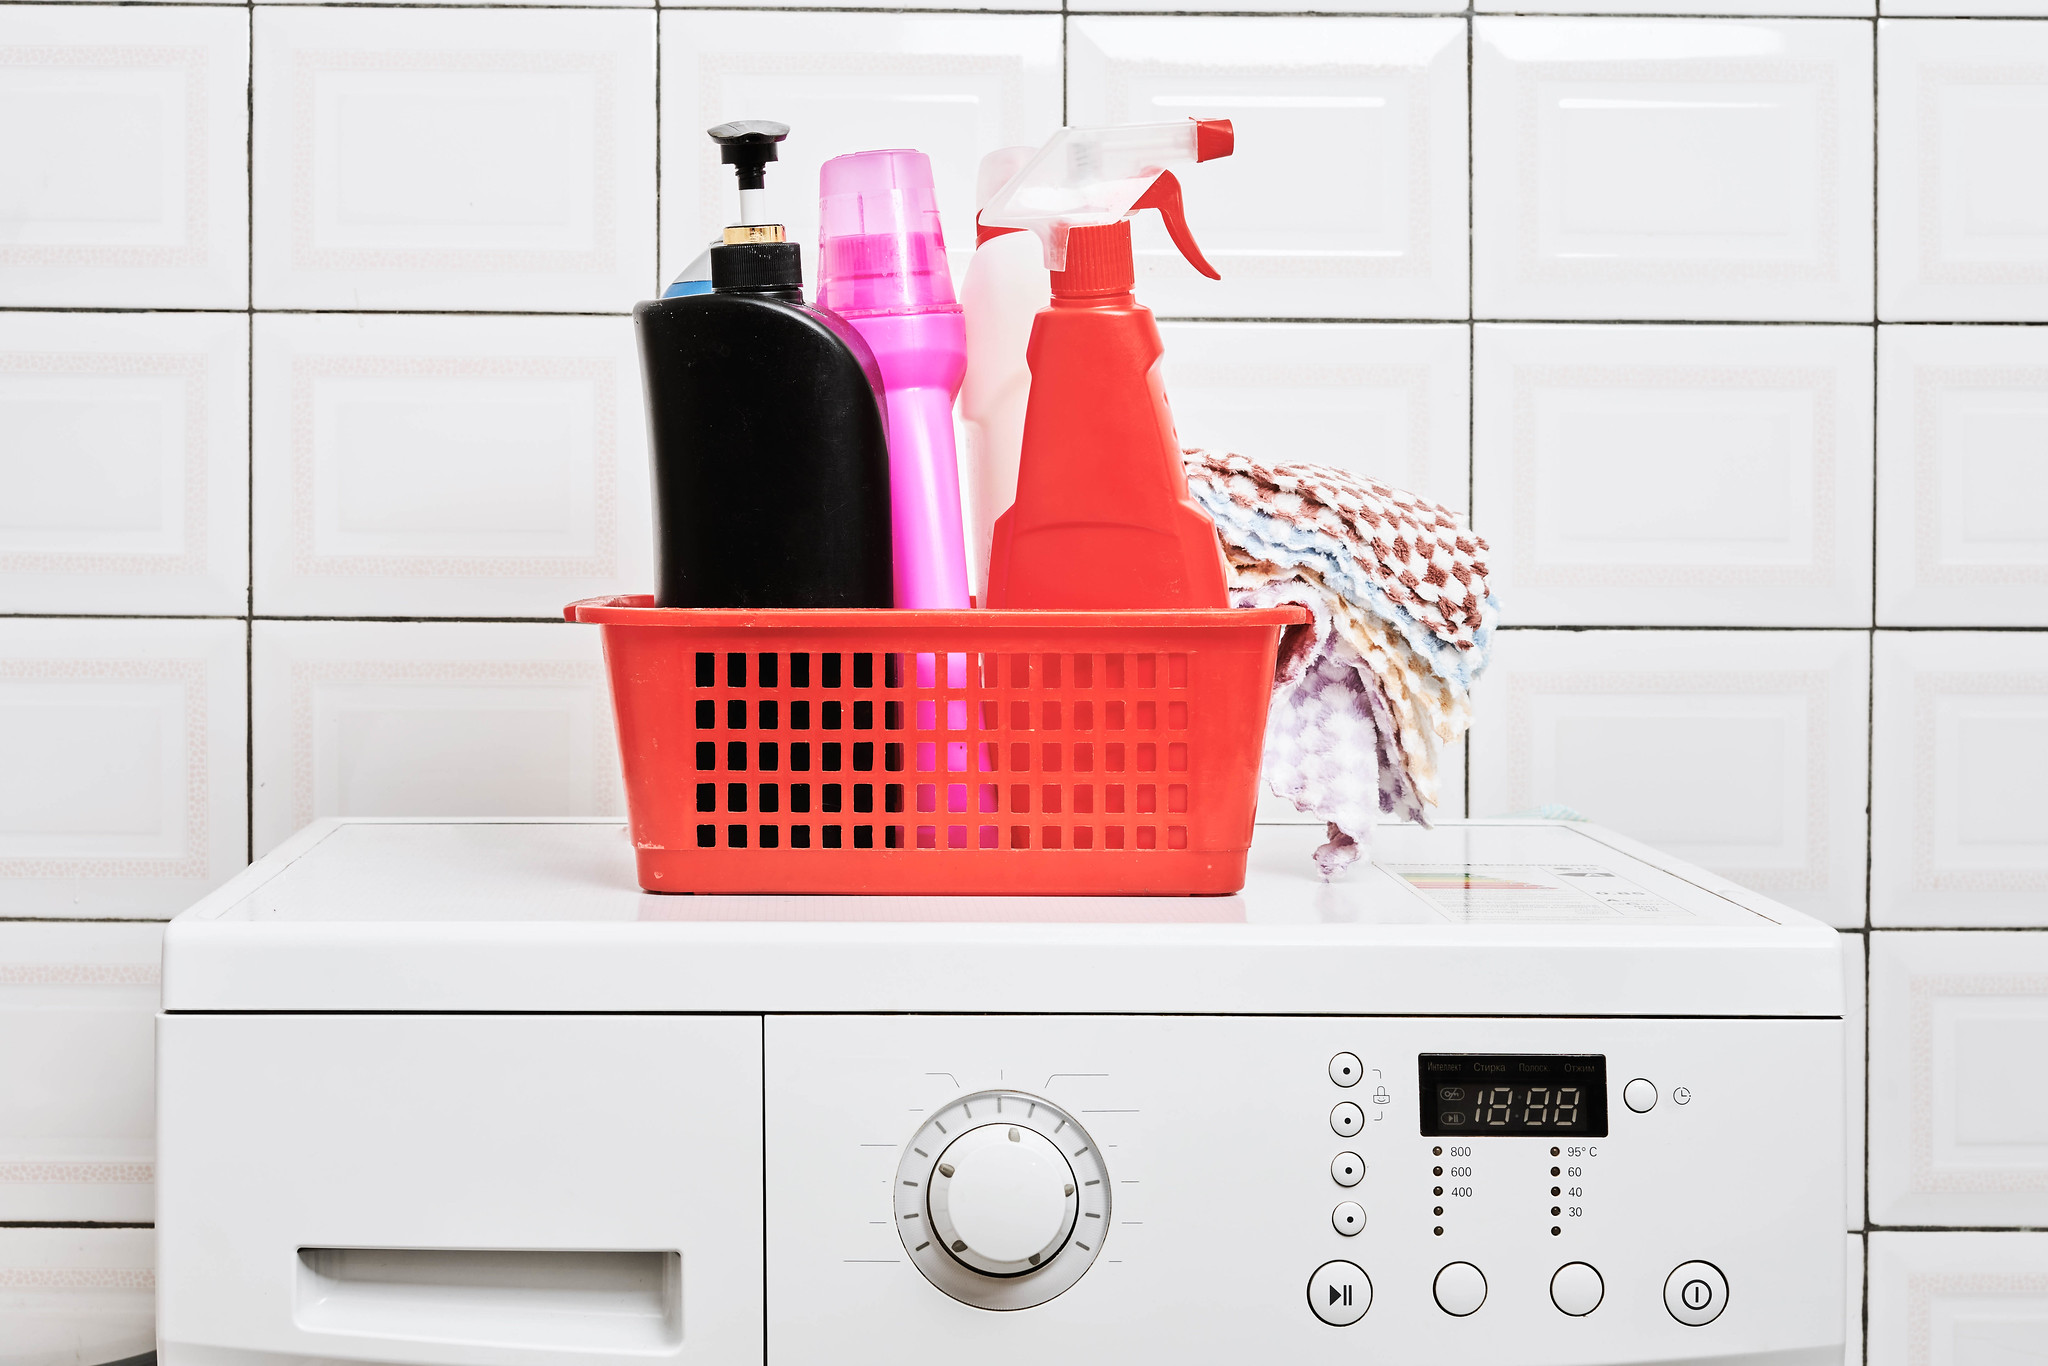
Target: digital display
column 1540, row 1095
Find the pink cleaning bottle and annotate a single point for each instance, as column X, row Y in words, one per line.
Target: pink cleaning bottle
column 882, row 267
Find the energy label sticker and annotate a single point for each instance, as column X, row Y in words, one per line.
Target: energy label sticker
column 1536, row 893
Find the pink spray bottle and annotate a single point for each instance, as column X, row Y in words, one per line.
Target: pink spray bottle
column 882, row 267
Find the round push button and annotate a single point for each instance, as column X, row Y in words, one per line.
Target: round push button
column 1577, row 1289
column 1348, row 1219
column 1347, row 1169
column 1339, row 1293
column 1346, row 1069
column 1347, row 1119
column 1460, row 1289
column 1696, row 1293
column 1639, row 1095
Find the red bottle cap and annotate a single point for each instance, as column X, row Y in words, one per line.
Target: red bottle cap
column 1098, row 262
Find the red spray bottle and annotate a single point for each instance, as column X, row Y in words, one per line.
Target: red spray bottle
column 1102, row 517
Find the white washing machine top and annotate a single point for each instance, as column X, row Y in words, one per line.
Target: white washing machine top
column 1525, row 918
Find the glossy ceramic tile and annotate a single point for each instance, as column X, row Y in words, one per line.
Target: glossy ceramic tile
column 124, row 474
column 1389, row 402
column 429, row 719
column 1762, row 9
column 123, row 765
column 1672, row 168
column 448, row 466
column 1288, row 7
column 490, row 159
column 1854, row 1031
column 1963, row 226
column 1740, row 751
column 1958, row 1121
column 1958, row 1299
column 1718, row 476
column 76, row 1295
column 1962, row 489
column 1365, row 220
column 1958, row 814
column 2007, row 9
column 1008, row 6
column 954, row 86
column 123, row 156
column 77, row 1072
column 1852, row 1331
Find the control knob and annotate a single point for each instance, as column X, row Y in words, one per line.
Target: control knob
column 1002, row 1200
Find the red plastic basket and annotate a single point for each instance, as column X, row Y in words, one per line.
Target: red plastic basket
column 978, row 752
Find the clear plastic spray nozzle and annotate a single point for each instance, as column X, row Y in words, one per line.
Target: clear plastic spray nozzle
column 1086, row 177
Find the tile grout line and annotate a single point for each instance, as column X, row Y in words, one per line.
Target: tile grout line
column 249, row 548
column 1471, row 340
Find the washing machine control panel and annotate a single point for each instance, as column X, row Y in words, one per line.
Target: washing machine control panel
column 1506, row 1192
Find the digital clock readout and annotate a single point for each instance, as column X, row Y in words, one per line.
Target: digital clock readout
column 1540, row 1095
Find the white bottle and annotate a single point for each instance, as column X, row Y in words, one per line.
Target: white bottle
column 1006, row 285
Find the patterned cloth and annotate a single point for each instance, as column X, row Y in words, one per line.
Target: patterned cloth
column 1396, row 556
column 1401, row 623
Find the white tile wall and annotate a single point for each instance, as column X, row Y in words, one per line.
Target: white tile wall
column 1855, row 1035
column 122, row 764
column 429, row 719
column 447, row 466
column 1692, row 480
column 1366, row 219
column 1671, row 168
column 1963, row 221
column 123, row 161
column 1392, row 402
column 1656, row 476
column 1962, row 453
column 1958, row 1121
column 77, row 1295
column 1743, row 753
column 124, row 472
column 491, row 159
column 1959, row 814
column 1852, row 1333
column 953, row 86
column 1958, row 1299
column 77, row 1056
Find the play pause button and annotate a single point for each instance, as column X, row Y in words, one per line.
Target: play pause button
column 1339, row 1293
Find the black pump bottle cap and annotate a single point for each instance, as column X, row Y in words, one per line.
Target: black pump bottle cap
column 747, row 145
column 758, row 268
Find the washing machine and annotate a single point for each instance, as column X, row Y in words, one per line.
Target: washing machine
column 458, row 1093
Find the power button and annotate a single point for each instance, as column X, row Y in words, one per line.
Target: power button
column 1696, row 1293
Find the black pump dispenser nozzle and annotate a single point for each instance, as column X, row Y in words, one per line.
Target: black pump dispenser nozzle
column 748, row 145
column 755, row 259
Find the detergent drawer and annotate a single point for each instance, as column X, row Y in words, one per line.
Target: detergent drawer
column 459, row 1190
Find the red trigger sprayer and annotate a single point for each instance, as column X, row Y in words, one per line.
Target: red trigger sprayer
column 1102, row 517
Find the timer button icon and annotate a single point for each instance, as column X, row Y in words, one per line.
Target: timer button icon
column 1639, row 1095
column 1696, row 1293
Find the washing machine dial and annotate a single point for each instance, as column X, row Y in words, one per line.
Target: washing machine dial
column 1002, row 1200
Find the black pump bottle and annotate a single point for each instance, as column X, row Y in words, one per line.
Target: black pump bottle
column 765, row 421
